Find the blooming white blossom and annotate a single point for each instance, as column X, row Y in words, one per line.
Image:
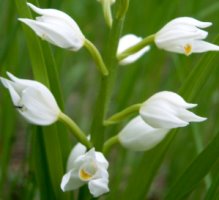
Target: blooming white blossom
column 86, row 167
column 56, row 27
column 183, row 35
column 137, row 135
column 32, row 99
column 168, row 110
column 126, row 42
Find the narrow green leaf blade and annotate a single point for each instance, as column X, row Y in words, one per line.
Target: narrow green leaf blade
column 195, row 172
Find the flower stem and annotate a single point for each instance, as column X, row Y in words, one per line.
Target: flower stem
column 109, row 143
column 75, row 130
column 96, row 56
column 146, row 41
column 107, row 12
column 106, row 86
column 122, row 114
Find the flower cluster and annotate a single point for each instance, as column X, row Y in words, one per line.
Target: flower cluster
column 159, row 114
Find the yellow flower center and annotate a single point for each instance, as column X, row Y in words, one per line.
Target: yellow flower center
column 88, row 171
column 84, row 175
column 188, row 49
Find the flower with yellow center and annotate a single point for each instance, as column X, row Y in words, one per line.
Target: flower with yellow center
column 183, row 35
column 86, row 167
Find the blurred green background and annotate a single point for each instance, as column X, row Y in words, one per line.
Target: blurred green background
column 157, row 70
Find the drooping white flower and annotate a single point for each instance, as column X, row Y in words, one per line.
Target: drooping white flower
column 32, row 99
column 90, row 167
column 127, row 41
column 56, row 27
column 139, row 136
column 183, row 35
column 168, row 110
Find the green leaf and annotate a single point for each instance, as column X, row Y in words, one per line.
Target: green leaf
column 195, row 172
column 213, row 192
column 53, row 138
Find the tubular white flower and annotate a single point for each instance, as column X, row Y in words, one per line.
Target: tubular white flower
column 32, row 99
column 139, row 136
column 56, row 27
column 127, row 41
column 168, row 110
column 90, row 167
column 183, row 35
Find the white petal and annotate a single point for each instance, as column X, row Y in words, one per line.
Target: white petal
column 101, row 159
column 36, row 108
column 58, row 35
column 202, row 46
column 42, row 91
column 14, row 95
column 127, row 41
column 189, row 21
column 139, row 136
column 180, row 32
column 190, row 116
column 77, row 151
column 162, row 38
column 167, row 110
column 172, row 98
column 71, row 181
column 56, row 27
column 54, row 13
column 98, row 187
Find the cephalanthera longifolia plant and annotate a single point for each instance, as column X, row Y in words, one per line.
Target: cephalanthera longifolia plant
column 89, row 169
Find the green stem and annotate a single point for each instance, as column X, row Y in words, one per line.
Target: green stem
column 107, row 13
column 131, row 50
column 97, row 127
column 122, row 114
column 96, row 56
column 75, row 130
column 109, row 143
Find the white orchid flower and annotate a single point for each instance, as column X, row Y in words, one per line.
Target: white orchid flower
column 90, row 167
column 126, row 42
column 168, row 110
column 32, row 99
column 183, row 35
column 139, row 136
column 56, row 27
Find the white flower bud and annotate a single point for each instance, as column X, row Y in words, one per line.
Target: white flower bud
column 32, row 99
column 168, row 110
column 90, row 168
column 182, row 35
column 56, row 27
column 126, row 42
column 139, row 136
